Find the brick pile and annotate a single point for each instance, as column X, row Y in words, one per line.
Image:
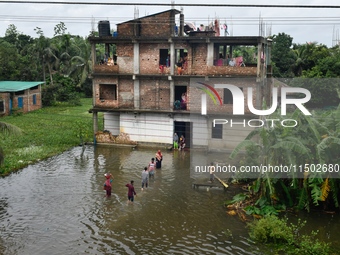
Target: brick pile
column 106, row 137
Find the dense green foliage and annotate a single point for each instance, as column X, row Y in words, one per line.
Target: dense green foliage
column 323, row 91
column 316, row 140
column 282, row 57
column 45, row 133
column 288, row 238
column 24, row 58
column 309, row 60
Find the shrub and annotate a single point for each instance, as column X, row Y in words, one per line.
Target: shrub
column 272, row 229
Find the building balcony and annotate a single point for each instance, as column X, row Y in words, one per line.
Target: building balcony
column 106, row 69
column 201, row 71
column 224, row 71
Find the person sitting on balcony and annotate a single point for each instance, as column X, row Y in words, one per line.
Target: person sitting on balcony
column 180, row 66
column 161, row 68
column 184, row 101
column 110, row 62
column 177, row 105
column 232, row 62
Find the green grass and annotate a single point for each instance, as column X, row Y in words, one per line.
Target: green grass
column 46, row 132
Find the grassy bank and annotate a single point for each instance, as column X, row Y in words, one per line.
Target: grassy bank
column 46, row 132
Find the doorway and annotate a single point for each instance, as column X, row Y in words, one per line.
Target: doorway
column 183, row 128
column 179, row 91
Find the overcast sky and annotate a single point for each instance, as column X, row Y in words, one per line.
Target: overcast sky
column 319, row 25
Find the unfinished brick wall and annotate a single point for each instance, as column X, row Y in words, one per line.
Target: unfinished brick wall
column 126, row 29
column 199, row 56
column 104, row 103
column 4, row 97
column 125, row 93
column 125, row 58
column 155, row 94
column 154, row 25
column 149, row 58
column 33, row 92
column 27, row 101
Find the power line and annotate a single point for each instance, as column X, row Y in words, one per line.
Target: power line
column 181, row 4
column 250, row 18
column 236, row 21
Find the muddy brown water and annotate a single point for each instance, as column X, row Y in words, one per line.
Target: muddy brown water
column 58, row 206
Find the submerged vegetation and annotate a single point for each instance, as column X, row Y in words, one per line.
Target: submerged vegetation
column 287, row 238
column 45, row 132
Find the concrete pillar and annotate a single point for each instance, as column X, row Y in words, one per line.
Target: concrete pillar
column 94, row 60
column 136, row 94
column 136, row 83
column 259, row 50
column 172, row 94
column 136, row 58
column 210, row 54
column 94, row 55
column 181, row 24
column 95, row 125
column 157, row 94
column 172, row 58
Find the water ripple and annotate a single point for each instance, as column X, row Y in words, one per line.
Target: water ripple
column 58, row 206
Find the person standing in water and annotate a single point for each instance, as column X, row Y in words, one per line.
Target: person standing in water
column 181, row 143
column 159, row 159
column 175, row 141
column 131, row 192
column 145, row 178
column 151, row 169
column 107, row 184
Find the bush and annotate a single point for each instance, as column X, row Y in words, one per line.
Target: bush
column 310, row 245
column 62, row 90
column 271, row 229
column 287, row 237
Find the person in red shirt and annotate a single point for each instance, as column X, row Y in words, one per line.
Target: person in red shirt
column 159, row 158
column 107, row 184
column 131, row 191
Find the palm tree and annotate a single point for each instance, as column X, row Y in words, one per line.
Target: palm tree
column 81, row 60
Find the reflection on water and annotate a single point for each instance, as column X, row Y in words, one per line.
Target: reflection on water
column 58, row 206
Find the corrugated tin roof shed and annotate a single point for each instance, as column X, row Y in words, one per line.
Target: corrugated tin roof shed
column 14, row 86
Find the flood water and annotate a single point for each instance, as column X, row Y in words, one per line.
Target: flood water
column 58, row 206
